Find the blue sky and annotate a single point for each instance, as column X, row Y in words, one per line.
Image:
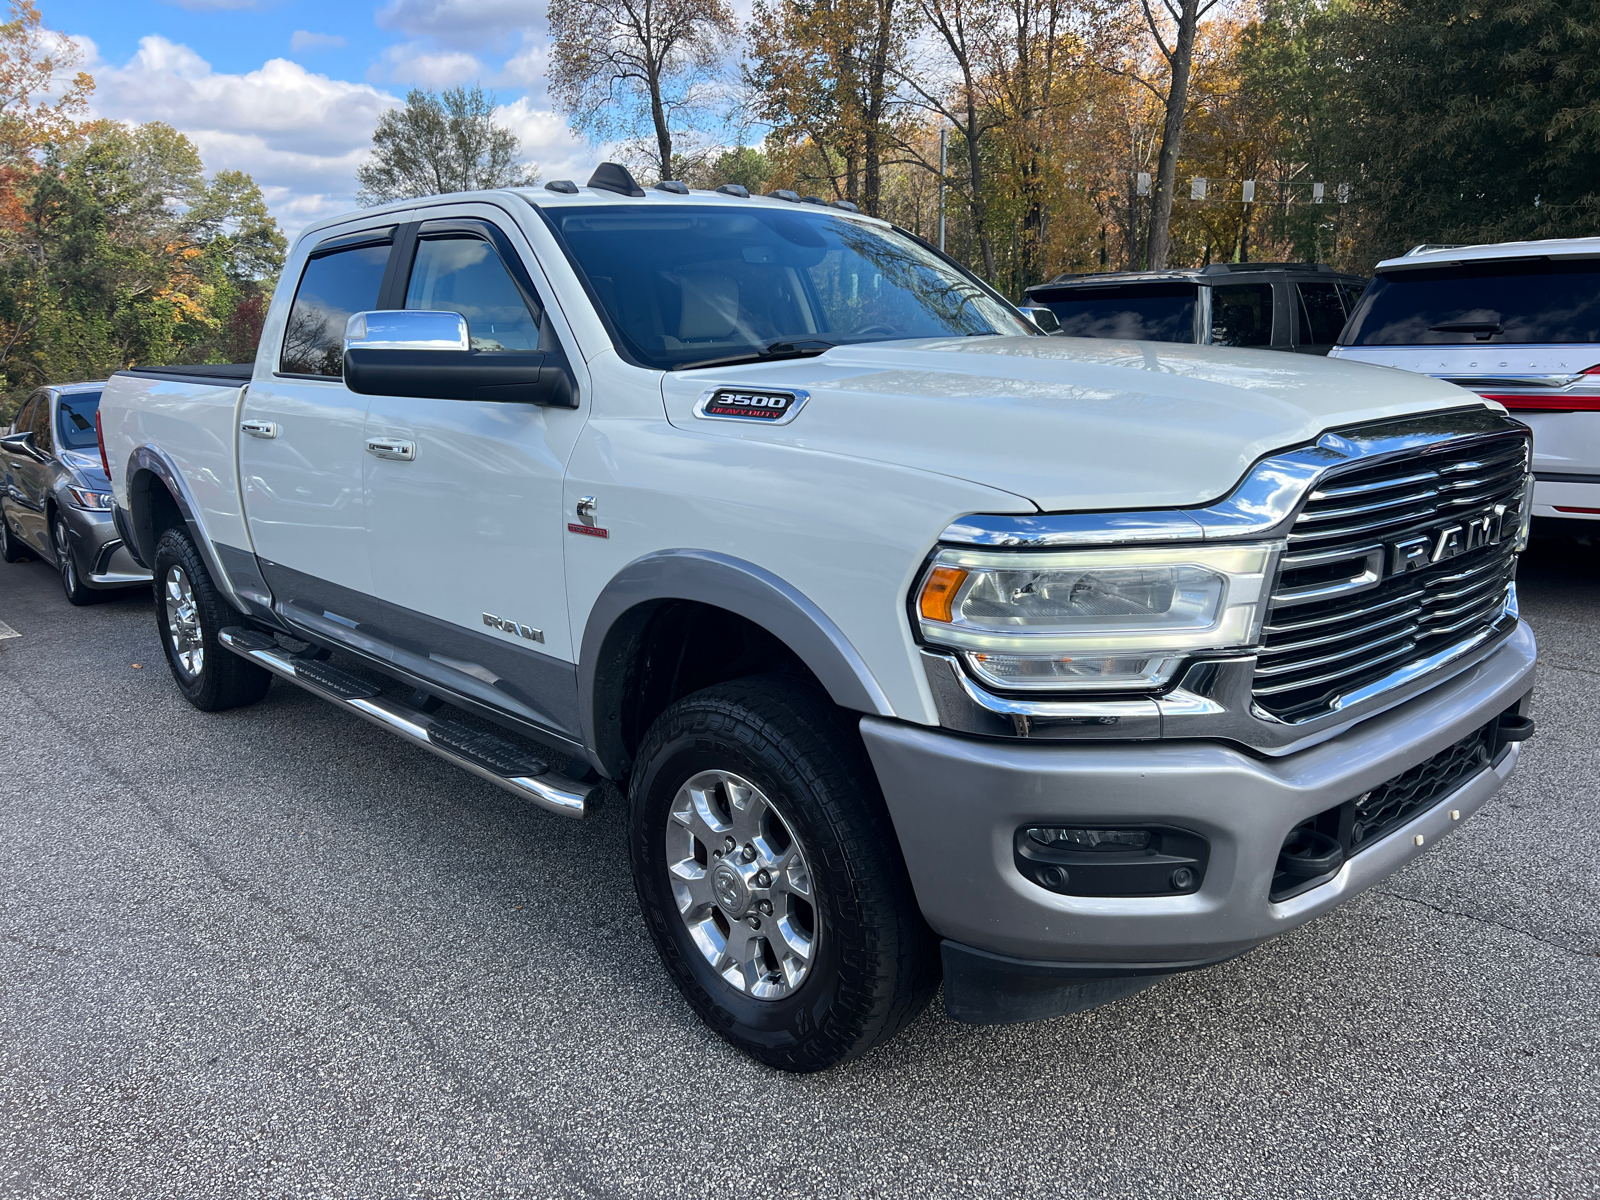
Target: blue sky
column 289, row 90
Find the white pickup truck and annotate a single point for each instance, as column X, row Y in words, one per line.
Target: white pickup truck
column 923, row 646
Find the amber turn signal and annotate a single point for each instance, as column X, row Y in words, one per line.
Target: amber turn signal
column 939, row 593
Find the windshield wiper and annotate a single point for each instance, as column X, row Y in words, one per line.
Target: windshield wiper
column 1482, row 330
column 772, row 352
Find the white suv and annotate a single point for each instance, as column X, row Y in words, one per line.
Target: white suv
column 1518, row 323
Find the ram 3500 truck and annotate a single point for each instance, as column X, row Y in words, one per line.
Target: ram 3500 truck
column 922, row 645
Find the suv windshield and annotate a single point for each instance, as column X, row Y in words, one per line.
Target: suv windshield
column 693, row 284
column 75, row 420
column 1529, row 300
column 1146, row 312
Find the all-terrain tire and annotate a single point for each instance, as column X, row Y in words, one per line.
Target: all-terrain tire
column 190, row 612
column 876, row 962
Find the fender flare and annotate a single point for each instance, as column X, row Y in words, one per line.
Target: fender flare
column 623, row 607
column 147, row 461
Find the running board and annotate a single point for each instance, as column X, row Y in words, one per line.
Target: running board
column 483, row 754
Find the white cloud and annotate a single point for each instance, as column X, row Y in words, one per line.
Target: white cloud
column 470, row 23
column 302, row 40
column 527, row 68
column 412, row 62
column 300, row 135
column 547, row 141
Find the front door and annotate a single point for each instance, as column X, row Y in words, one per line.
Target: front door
column 33, row 477
column 464, row 497
column 301, row 441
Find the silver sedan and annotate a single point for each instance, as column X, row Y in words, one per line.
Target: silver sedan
column 55, row 498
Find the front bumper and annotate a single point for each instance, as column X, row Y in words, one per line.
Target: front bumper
column 102, row 556
column 958, row 801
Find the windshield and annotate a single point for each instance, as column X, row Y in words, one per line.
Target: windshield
column 75, row 420
column 691, row 284
column 1151, row 312
column 1528, row 301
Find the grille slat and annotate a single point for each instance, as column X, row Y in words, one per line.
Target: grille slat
column 1313, row 652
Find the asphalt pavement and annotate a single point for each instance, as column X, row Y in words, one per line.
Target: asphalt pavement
column 278, row 953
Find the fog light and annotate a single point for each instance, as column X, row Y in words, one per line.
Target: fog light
column 1082, row 861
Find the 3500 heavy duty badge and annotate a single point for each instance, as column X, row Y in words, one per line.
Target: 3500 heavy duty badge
column 748, row 404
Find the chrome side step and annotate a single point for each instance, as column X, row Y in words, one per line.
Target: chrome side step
column 483, row 754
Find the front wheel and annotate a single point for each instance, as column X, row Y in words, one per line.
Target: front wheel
column 72, row 583
column 770, row 876
column 189, row 615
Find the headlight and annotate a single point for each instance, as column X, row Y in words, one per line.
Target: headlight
column 1093, row 619
column 95, row 501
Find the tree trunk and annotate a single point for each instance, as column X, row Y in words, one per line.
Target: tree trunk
column 877, row 92
column 1181, row 60
column 980, row 209
column 663, row 135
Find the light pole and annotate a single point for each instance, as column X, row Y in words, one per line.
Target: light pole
column 943, row 140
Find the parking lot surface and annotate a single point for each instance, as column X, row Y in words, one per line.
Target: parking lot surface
column 276, row 952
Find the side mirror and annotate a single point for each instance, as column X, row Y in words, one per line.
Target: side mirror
column 21, row 443
column 429, row 355
column 1044, row 318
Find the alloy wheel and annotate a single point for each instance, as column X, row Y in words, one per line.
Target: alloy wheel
column 742, row 885
column 68, row 568
column 183, row 622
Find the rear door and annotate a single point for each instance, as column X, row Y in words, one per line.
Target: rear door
column 302, row 438
column 463, row 498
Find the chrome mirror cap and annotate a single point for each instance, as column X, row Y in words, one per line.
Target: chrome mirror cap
column 407, row 329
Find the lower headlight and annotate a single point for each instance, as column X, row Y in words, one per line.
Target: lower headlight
column 1093, row 619
column 93, row 501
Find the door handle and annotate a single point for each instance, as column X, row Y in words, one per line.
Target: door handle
column 392, row 448
column 260, row 429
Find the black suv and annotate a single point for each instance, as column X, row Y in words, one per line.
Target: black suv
column 1273, row 306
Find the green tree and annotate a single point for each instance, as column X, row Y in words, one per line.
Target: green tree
column 441, row 143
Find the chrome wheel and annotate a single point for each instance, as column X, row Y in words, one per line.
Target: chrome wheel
column 183, row 623
column 742, row 884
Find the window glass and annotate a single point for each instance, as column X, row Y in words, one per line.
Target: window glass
column 1153, row 312
column 1241, row 314
column 1321, row 313
column 1350, row 292
column 334, row 288
column 75, row 420
column 688, row 284
column 465, row 275
column 1529, row 301
column 24, row 421
column 40, row 424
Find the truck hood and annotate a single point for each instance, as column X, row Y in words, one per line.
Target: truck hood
column 1067, row 423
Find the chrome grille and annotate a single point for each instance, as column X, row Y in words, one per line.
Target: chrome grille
column 1389, row 566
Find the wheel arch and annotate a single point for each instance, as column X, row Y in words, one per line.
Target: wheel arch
column 623, row 620
column 158, row 500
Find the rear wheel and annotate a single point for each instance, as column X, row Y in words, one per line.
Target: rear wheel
column 77, row 591
column 11, row 547
column 189, row 614
column 770, row 877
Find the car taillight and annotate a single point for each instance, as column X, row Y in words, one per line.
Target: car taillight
column 1546, row 403
column 100, row 440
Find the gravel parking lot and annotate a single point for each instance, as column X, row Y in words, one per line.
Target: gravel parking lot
column 276, row 952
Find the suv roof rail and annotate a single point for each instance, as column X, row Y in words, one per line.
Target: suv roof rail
column 1226, row 268
column 1427, row 246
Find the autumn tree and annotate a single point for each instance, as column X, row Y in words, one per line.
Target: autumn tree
column 1172, row 29
column 621, row 67
column 825, row 73
column 441, row 143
